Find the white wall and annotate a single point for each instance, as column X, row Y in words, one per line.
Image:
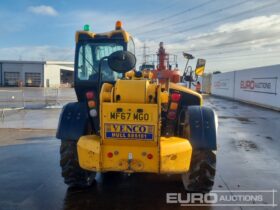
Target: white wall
column 52, row 73
column 260, row 86
column 223, row 84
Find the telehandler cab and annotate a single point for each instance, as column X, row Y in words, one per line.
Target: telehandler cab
column 125, row 121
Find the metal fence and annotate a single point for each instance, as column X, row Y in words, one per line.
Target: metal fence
column 51, row 96
column 11, row 100
column 34, row 98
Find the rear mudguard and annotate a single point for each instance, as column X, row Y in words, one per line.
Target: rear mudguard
column 203, row 128
column 73, row 121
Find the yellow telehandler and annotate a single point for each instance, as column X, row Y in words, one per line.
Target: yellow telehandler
column 126, row 121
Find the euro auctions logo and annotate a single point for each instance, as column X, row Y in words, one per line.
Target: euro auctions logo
column 251, row 85
column 260, row 85
column 262, row 198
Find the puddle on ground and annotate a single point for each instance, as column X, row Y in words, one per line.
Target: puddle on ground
column 269, row 138
column 246, row 145
column 59, row 106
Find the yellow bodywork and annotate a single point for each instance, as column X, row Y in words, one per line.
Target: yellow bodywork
column 130, row 141
column 186, row 90
column 125, row 34
column 172, row 155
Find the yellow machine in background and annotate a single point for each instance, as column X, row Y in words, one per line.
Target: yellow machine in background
column 126, row 121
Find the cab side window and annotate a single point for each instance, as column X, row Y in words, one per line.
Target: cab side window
column 85, row 62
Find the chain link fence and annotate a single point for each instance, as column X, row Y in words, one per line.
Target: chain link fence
column 11, row 100
column 34, row 98
column 51, row 96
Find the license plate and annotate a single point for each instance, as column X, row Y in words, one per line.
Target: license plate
column 129, row 131
column 129, row 116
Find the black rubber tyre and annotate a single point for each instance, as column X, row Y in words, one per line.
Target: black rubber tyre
column 73, row 174
column 200, row 177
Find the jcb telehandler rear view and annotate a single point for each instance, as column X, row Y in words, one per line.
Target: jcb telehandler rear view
column 126, row 121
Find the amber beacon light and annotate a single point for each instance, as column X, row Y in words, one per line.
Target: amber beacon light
column 118, row 25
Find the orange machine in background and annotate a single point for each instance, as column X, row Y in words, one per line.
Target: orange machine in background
column 166, row 68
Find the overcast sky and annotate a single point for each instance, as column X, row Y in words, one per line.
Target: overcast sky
column 230, row 35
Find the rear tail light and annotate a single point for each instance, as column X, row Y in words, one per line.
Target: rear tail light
column 91, row 103
column 90, row 95
column 150, row 156
column 175, row 97
column 109, row 154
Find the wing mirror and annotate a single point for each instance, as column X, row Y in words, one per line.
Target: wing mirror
column 121, row 61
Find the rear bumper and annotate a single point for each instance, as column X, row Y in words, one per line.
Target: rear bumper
column 172, row 155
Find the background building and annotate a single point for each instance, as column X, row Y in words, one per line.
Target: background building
column 36, row 73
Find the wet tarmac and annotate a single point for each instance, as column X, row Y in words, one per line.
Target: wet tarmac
column 248, row 159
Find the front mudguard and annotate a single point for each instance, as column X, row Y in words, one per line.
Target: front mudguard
column 73, row 121
column 203, row 124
